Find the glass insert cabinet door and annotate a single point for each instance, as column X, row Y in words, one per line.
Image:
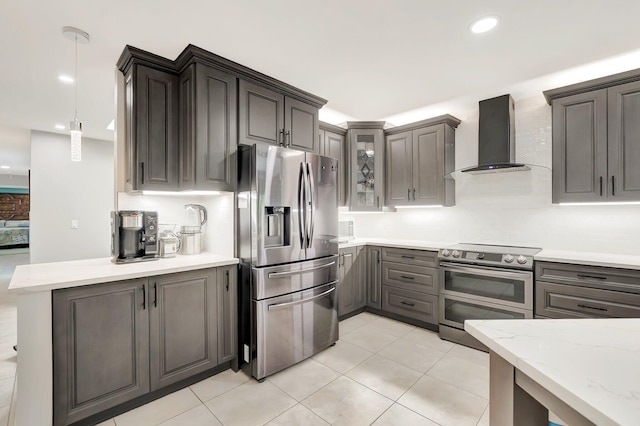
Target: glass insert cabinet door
column 366, row 169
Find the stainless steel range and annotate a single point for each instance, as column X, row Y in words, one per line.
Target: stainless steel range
column 480, row 281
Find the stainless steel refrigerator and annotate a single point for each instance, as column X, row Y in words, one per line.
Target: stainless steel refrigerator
column 287, row 228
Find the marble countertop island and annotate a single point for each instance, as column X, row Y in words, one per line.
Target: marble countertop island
column 592, row 365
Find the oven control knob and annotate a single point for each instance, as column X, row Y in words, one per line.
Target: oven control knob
column 522, row 260
column 455, row 253
column 508, row 258
column 446, row 252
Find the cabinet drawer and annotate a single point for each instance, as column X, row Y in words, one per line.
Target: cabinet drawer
column 410, row 277
column 413, row 257
column 566, row 301
column 589, row 276
column 420, row 306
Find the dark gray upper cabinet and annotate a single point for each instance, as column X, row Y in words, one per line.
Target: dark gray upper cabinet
column 183, row 326
column 580, row 147
column 151, row 129
column 624, row 141
column 366, row 165
column 261, row 115
column 418, row 156
column 185, row 118
column 596, row 139
column 208, row 128
column 331, row 142
column 267, row 116
column 100, row 348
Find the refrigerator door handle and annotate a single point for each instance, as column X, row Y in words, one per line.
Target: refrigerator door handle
column 312, row 207
column 301, row 271
column 298, row 302
column 301, row 202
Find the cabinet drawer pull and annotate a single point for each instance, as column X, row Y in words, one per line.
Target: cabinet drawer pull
column 406, row 277
column 142, row 172
column 144, row 297
column 407, row 257
column 155, row 295
column 408, row 194
column 226, row 273
column 281, row 137
column 287, row 138
column 594, row 277
column 593, row 307
column 414, row 194
column 407, row 303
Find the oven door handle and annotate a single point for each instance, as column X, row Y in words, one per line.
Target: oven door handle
column 488, row 271
column 308, row 299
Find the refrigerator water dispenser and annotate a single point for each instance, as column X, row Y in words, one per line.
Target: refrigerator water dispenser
column 276, row 231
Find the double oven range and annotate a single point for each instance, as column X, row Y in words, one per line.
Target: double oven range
column 479, row 281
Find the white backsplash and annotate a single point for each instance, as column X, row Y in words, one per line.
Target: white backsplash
column 512, row 208
column 218, row 233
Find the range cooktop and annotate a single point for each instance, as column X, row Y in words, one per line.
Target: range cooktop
column 491, row 255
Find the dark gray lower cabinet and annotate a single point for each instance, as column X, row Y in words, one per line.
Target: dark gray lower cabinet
column 227, row 313
column 374, row 277
column 100, row 348
column 352, row 292
column 183, row 326
column 117, row 341
column 412, row 304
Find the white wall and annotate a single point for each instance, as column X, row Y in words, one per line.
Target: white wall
column 511, row 208
column 62, row 190
column 13, row 181
column 218, row 233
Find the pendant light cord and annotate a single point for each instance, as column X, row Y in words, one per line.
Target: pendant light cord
column 76, row 72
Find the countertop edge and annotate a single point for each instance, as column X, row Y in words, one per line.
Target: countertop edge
column 101, row 278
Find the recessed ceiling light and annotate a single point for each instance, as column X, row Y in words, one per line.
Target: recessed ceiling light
column 5, row 167
column 484, row 24
column 60, row 126
column 65, row 79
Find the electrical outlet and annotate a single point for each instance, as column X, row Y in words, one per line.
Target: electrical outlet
column 74, row 223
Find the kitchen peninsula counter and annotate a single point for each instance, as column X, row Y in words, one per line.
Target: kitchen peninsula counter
column 50, row 276
column 397, row 243
column 588, row 366
column 34, row 285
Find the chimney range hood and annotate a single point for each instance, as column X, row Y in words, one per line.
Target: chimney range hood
column 496, row 137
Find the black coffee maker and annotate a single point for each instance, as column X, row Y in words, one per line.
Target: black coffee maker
column 134, row 236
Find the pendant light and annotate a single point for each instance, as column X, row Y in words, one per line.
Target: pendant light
column 75, row 127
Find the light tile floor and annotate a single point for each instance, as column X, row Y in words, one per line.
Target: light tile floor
column 380, row 372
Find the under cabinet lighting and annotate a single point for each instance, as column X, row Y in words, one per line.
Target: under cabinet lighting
column 615, row 203
column 173, row 193
column 112, row 125
column 5, row 167
column 419, row 207
column 60, row 126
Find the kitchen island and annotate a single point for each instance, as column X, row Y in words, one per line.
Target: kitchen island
column 34, row 286
column 584, row 370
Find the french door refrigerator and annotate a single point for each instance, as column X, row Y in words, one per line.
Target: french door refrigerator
column 287, row 229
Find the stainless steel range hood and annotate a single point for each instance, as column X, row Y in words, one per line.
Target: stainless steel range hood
column 496, row 137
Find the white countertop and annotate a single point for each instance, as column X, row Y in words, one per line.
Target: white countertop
column 390, row 242
column 74, row 273
column 610, row 260
column 593, row 365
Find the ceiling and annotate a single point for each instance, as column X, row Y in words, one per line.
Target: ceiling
column 372, row 59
